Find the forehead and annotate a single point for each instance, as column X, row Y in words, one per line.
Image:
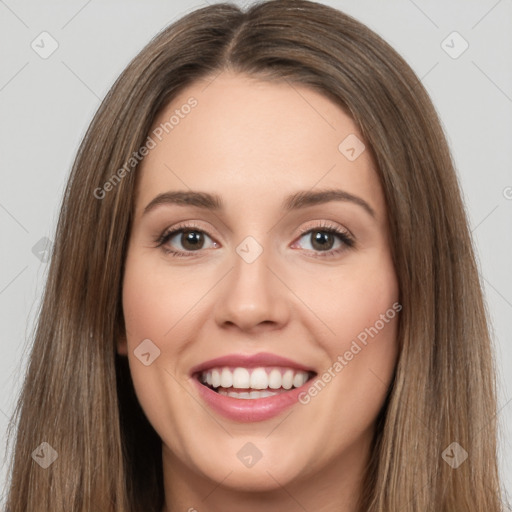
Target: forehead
column 254, row 140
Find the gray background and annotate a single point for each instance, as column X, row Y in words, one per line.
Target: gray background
column 47, row 104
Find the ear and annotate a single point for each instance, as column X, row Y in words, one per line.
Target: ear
column 122, row 345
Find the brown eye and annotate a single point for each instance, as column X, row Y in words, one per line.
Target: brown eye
column 322, row 240
column 184, row 240
column 192, row 240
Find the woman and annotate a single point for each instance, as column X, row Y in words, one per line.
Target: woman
column 261, row 371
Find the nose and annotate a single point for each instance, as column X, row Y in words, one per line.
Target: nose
column 253, row 297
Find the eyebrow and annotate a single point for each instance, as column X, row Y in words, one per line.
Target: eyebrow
column 296, row 201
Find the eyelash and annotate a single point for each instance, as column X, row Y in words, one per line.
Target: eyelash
column 343, row 235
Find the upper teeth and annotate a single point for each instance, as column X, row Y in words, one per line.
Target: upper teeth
column 254, row 378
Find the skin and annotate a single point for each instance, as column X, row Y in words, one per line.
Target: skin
column 255, row 142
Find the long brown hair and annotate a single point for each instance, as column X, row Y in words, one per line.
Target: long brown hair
column 78, row 395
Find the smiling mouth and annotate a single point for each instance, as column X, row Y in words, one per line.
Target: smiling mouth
column 253, row 383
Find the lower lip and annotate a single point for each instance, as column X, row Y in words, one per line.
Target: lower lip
column 249, row 410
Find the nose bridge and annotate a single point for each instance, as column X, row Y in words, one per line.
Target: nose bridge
column 252, row 294
column 251, row 282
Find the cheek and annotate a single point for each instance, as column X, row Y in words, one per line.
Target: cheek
column 359, row 306
column 154, row 303
column 153, row 310
column 366, row 306
column 354, row 299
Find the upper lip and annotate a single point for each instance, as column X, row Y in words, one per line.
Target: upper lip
column 250, row 361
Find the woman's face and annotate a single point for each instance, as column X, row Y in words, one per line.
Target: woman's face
column 259, row 269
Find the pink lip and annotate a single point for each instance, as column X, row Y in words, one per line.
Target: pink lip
column 250, row 410
column 250, row 361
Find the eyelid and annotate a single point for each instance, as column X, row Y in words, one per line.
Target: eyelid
column 190, row 225
column 182, row 226
column 325, row 224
